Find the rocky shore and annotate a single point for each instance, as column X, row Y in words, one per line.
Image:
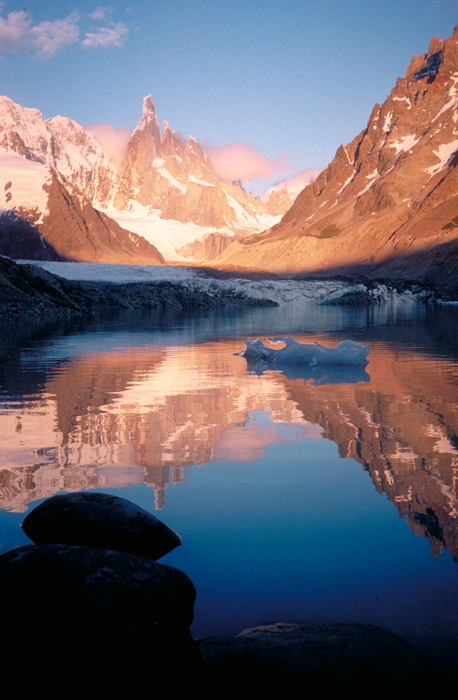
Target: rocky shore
column 90, row 592
column 28, row 290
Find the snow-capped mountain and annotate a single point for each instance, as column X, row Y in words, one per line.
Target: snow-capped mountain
column 164, row 189
column 388, row 202
column 58, row 143
column 45, row 217
column 292, row 186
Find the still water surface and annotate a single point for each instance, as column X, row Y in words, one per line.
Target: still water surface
column 303, row 495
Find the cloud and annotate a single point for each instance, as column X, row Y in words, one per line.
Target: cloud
column 240, row 161
column 14, row 31
column 48, row 38
column 104, row 36
column 101, row 13
column 113, row 141
column 294, row 184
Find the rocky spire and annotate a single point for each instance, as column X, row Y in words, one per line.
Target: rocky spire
column 149, row 124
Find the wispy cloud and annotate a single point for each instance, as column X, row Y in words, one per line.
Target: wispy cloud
column 14, row 31
column 46, row 39
column 240, row 161
column 113, row 141
column 101, row 13
column 114, row 36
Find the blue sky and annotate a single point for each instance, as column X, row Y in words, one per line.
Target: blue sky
column 291, row 79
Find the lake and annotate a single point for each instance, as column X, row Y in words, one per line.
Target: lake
column 301, row 495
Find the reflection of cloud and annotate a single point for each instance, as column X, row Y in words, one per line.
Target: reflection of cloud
column 115, row 36
column 247, row 444
column 113, row 141
column 240, row 161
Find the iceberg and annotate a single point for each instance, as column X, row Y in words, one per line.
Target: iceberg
column 348, row 352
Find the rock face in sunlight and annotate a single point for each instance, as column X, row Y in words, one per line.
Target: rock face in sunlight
column 348, row 352
column 160, row 176
column 387, row 205
column 45, row 217
column 100, row 520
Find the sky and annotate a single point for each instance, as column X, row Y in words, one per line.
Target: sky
column 269, row 87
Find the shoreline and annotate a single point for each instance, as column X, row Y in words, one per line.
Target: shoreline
column 29, row 290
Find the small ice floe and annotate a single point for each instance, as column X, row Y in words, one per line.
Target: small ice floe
column 348, row 352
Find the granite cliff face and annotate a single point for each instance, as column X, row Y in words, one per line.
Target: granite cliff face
column 176, row 178
column 388, row 202
column 159, row 178
column 45, row 217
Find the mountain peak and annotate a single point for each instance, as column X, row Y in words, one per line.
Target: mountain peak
column 148, row 107
column 388, row 198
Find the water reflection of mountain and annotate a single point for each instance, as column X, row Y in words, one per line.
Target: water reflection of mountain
column 402, row 428
column 145, row 414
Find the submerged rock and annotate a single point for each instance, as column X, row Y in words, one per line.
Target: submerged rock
column 291, row 660
column 100, row 520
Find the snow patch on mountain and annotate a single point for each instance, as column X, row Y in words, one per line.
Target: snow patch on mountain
column 452, row 102
column 21, row 184
column 191, row 178
column 166, row 234
column 444, row 152
column 405, row 143
column 387, row 124
column 373, row 177
column 295, row 184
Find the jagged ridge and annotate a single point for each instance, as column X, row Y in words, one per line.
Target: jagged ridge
column 388, row 202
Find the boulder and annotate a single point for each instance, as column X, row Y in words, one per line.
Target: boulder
column 292, row 660
column 68, row 607
column 100, row 520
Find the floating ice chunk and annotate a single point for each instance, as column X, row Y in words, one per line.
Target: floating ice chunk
column 348, row 352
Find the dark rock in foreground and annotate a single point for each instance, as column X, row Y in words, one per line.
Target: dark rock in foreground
column 70, row 608
column 291, row 660
column 100, row 520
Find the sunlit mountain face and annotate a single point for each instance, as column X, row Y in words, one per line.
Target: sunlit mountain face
column 386, row 205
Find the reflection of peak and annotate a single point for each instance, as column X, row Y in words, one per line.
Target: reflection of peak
column 141, row 416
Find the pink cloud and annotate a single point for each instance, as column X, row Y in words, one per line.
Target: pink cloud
column 19, row 33
column 48, row 38
column 240, row 161
column 14, row 31
column 104, row 36
column 113, row 141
